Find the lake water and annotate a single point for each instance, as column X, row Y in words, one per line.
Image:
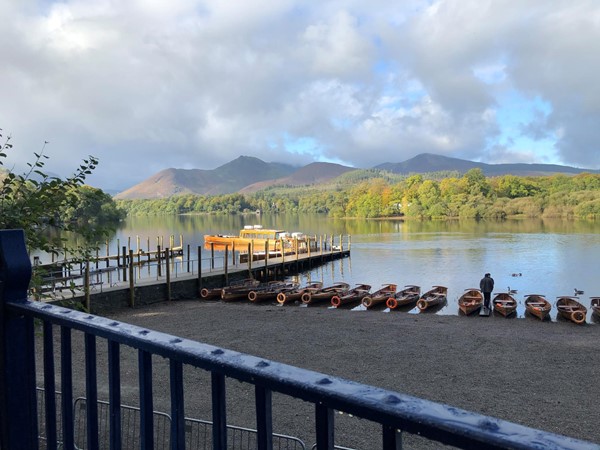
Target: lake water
column 550, row 257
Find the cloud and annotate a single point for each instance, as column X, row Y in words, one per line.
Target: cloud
column 147, row 85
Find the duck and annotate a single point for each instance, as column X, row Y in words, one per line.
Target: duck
column 516, row 274
column 511, row 291
column 578, row 292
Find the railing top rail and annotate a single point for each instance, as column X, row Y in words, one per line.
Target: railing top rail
column 429, row 419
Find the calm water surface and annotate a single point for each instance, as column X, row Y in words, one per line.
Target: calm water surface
column 550, row 257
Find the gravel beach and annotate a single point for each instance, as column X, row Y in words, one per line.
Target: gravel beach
column 537, row 374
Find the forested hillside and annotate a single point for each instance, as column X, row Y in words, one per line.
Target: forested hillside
column 373, row 193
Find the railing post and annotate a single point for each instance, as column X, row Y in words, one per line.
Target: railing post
column 325, row 427
column 17, row 364
column 226, row 264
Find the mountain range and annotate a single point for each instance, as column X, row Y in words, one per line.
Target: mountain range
column 247, row 174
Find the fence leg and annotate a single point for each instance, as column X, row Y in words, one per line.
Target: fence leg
column 18, row 407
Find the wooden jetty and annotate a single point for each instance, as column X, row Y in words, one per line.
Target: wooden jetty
column 171, row 271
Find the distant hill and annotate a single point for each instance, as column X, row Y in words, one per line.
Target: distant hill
column 427, row 162
column 313, row 173
column 247, row 174
column 228, row 178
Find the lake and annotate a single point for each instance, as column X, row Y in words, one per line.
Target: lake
column 531, row 256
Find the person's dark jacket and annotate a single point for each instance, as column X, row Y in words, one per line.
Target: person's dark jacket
column 486, row 284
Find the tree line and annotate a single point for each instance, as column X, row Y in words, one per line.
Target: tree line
column 470, row 196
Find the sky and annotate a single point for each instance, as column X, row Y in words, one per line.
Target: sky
column 146, row 85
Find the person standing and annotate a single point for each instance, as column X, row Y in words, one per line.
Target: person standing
column 487, row 286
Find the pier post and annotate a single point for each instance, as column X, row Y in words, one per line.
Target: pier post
column 212, row 255
column 168, row 272
column 131, row 281
column 226, row 264
column 159, row 261
column 341, row 244
column 188, row 258
column 107, row 254
column 267, row 260
column 250, row 260
column 124, row 250
column 199, row 270
column 233, row 261
column 86, row 286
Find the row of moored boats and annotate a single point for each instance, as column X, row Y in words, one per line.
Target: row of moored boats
column 340, row 294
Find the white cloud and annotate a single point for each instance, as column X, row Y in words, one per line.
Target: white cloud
column 146, row 85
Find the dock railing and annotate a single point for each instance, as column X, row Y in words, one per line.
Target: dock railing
column 395, row 412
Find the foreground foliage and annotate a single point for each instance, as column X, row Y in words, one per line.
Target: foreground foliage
column 41, row 204
column 433, row 196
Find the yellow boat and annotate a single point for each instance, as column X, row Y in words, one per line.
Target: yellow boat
column 257, row 236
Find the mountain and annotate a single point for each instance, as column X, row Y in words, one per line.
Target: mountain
column 247, row 174
column 427, row 162
column 313, row 173
column 228, row 178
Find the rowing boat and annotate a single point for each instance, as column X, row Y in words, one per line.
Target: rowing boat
column 432, row 297
column 537, row 306
column 407, row 296
column 379, row 296
column 470, row 301
column 571, row 309
column 595, row 303
column 296, row 294
column 270, row 291
column 354, row 295
column 238, row 292
column 504, row 303
column 215, row 293
column 326, row 293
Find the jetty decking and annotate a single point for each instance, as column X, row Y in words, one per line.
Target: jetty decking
column 172, row 276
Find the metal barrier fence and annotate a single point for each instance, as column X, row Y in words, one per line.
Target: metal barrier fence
column 396, row 413
column 197, row 432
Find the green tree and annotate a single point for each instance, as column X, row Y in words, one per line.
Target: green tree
column 34, row 201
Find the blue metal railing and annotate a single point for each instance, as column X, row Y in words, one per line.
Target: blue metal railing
column 392, row 410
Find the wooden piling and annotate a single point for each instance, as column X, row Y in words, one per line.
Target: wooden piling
column 125, row 263
column 226, row 264
column 199, row 270
column 168, row 272
column 131, row 281
column 86, row 288
column 159, row 261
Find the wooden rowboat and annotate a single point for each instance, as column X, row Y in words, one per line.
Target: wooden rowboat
column 432, row 297
column 270, row 291
column 325, row 294
column 215, row 293
column 538, row 306
column 238, row 292
column 211, row 293
column 470, row 301
column 354, row 295
column 407, row 296
column 379, row 296
column 504, row 303
column 296, row 294
column 595, row 303
column 571, row 309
